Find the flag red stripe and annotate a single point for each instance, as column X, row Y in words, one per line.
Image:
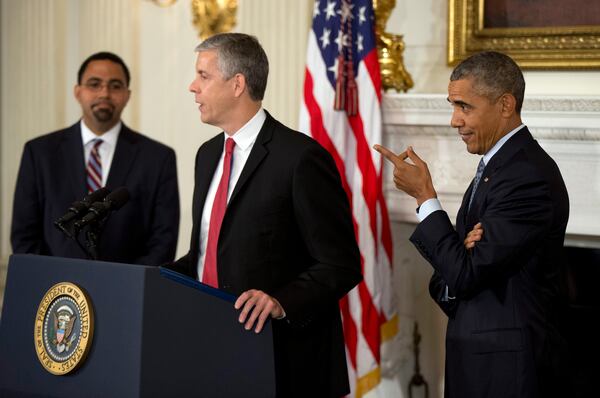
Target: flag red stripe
column 320, row 135
column 386, row 233
column 370, row 326
column 350, row 333
column 370, row 318
column 363, row 157
column 372, row 64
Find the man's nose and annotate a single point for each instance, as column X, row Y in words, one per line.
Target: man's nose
column 104, row 90
column 456, row 120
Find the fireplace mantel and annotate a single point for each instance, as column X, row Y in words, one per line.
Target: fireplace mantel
column 567, row 127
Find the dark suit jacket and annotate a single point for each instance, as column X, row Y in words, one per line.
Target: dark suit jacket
column 52, row 176
column 287, row 231
column 502, row 338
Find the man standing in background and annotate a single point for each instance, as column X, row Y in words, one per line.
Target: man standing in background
column 62, row 167
column 500, row 285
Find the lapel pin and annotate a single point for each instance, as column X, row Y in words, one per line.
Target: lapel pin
column 485, row 179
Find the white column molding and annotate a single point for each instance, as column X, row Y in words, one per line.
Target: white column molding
column 32, row 86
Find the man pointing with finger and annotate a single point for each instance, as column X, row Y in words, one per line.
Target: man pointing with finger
column 497, row 275
column 271, row 221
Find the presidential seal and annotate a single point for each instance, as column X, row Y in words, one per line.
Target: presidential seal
column 64, row 327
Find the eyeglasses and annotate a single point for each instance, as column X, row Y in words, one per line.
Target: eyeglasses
column 98, row 85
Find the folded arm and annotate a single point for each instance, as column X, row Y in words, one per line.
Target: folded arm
column 518, row 215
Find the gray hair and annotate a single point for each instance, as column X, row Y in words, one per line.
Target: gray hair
column 240, row 53
column 493, row 74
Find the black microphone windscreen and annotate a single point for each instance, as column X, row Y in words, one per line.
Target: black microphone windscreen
column 96, row 196
column 80, row 207
column 117, row 198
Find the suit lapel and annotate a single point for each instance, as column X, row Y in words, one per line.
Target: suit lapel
column 124, row 157
column 73, row 160
column 257, row 154
column 205, row 169
column 207, row 159
column 504, row 154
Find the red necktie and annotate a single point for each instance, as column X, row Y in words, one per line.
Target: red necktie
column 209, row 275
column 94, row 168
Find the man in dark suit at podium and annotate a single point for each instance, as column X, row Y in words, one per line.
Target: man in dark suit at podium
column 499, row 284
column 62, row 167
column 271, row 221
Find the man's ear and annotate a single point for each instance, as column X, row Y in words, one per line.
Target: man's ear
column 239, row 82
column 76, row 92
column 508, row 103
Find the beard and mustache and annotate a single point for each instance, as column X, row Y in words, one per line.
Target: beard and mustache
column 103, row 111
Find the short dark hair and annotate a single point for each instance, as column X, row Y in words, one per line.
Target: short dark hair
column 240, row 53
column 102, row 56
column 493, row 74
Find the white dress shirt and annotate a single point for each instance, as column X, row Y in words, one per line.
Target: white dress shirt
column 106, row 150
column 244, row 139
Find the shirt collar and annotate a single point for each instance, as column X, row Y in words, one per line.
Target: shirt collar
column 246, row 136
column 488, row 156
column 110, row 137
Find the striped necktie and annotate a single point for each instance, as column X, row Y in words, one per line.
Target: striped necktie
column 478, row 175
column 94, row 168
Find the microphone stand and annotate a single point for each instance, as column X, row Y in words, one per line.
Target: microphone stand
column 73, row 233
column 83, row 248
column 91, row 242
column 92, row 233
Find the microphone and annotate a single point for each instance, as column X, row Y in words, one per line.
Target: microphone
column 99, row 210
column 80, row 207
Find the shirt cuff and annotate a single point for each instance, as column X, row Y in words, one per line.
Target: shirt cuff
column 428, row 207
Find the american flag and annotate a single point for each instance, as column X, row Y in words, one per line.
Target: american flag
column 342, row 111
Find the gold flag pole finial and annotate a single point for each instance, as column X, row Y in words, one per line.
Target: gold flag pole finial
column 389, row 50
